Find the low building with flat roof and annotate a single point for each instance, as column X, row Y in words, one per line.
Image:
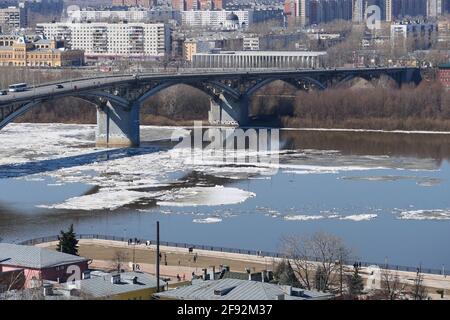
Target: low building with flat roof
column 258, row 59
column 115, row 286
column 236, row 289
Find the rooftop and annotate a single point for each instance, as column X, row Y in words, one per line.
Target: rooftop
column 236, row 289
column 267, row 53
column 102, row 284
column 34, row 257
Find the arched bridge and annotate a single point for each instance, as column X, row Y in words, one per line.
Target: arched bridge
column 118, row 97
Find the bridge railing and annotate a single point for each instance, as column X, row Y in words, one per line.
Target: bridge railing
column 259, row 253
column 187, row 71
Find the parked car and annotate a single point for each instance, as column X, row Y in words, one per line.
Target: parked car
column 59, row 86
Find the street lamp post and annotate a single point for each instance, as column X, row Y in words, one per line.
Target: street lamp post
column 157, row 256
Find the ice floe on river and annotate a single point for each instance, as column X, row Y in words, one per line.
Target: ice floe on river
column 354, row 217
column 206, row 196
column 125, row 176
column 437, row 214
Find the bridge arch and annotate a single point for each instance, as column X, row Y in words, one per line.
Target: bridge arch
column 267, row 81
column 199, row 86
column 28, row 105
column 369, row 78
column 18, row 112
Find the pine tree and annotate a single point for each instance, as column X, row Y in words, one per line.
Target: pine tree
column 355, row 283
column 284, row 274
column 320, row 279
column 68, row 242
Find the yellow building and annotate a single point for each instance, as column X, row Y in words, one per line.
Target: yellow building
column 189, row 49
column 45, row 53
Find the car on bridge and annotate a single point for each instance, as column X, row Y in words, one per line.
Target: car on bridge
column 3, row 92
column 59, row 86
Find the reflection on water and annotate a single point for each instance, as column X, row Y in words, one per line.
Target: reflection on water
column 423, row 146
column 385, row 194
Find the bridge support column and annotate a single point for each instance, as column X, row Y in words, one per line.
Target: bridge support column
column 117, row 125
column 226, row 110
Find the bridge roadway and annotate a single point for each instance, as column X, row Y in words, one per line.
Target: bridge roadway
column 119, row 97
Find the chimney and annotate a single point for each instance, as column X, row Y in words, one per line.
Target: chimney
column 280, row 296
column 287, row 290
column 115, row 278
column 263, row 276
column 48, row 290
column 205, row 273
column 86, row 274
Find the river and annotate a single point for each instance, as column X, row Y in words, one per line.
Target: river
column 386, row 194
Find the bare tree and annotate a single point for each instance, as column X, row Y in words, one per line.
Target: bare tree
column 321, row 250
column 119, row 259
column 391, row 286
column 419, row 291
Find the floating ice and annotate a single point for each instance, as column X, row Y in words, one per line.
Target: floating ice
column 204, row 196
column 208, row 220
column 438, row 214
column 106, row 199
column 359, row 217
column 302, row 217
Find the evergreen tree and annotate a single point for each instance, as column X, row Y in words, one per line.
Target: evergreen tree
column 355, row 283
column 68, row 242
column 284, row 274
column 320, row 279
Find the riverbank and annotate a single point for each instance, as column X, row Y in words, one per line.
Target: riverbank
column 179, row 261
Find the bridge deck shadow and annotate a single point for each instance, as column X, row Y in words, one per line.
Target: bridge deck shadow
column 41, row 166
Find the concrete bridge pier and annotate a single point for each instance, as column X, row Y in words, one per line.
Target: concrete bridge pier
column 117, row 125
column 226, row 110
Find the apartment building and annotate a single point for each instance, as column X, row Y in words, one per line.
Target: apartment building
column 132, row 15
column 112, row 39
column 421, row 33
column 222, row 19
column 12, row 18
column 250, row 44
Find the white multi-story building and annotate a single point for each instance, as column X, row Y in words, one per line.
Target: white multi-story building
column 250, row 43
column 435, row 8
column 216, row 19
column 134, row 15
column 418, row 31
column 12, row 18
column 112, row 39
column 259, row 59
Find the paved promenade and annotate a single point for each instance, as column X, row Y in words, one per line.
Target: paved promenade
column 179, row 261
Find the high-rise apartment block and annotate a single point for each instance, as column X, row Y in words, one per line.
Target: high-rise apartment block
column 111, row 39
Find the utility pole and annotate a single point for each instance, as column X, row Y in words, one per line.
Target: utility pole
column 157, row 256
column 340, row 267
